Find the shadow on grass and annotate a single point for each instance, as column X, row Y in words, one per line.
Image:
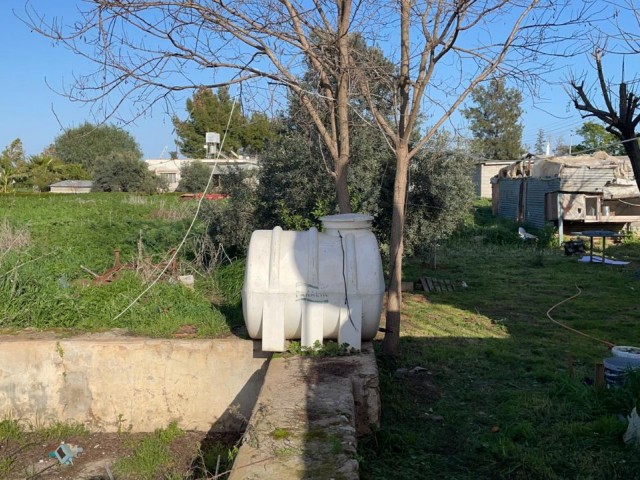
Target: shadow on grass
column 501, row 391
column 481, row 409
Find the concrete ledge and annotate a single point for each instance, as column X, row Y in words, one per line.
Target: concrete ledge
column 308, row 416
column 110, row 382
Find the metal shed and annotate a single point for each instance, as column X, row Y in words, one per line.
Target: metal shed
column 597, row 189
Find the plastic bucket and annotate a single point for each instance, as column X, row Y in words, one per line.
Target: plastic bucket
column 626, row 352
column 616, row 368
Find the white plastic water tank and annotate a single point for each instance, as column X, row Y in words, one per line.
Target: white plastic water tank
column 311, row 285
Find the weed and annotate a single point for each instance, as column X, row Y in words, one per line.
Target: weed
column 59, row 429
column 63, row 235
column 150, row 458
column 329, row 349
column 218, row 457
column 280, row 434
column 135, row 200
column 336, row 444
column 10, row 429
column 120, row 422
column 12, row 238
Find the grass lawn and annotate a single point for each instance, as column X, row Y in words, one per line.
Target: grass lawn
column 49, row 242
column 505, row 392
column 502, row 393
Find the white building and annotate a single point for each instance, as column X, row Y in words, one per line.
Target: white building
column 169, row 169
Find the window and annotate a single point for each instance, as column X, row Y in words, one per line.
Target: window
column 169, row 177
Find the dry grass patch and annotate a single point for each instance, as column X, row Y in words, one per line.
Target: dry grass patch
column 12, row 238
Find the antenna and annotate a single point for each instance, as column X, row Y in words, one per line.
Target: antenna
column 164, row 151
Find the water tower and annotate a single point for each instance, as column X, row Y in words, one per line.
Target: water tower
column 212, row 140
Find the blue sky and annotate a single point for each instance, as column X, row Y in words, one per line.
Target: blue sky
column 32, row 67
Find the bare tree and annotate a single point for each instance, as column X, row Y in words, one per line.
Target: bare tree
column 144, row 51
column 626, row 19
column 447, row 48
column 442, row 49
column 621, row 114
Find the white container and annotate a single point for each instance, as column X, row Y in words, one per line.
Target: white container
column 626, row 352
column 314, row 286
column 616, row 368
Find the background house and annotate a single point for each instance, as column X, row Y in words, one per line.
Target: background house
column 589, row 191
column 483, row 171
column 170, row 168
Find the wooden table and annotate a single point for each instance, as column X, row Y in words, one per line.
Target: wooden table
column 604, row 234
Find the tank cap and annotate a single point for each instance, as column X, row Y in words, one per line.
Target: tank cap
column 347, row 221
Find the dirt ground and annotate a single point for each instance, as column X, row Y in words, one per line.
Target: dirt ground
column 100, row 452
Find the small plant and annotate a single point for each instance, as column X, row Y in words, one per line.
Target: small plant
column 56, row 430
column 10, row 429
column 150, row 457
column 280, row 434
column 217, row 457
column 329, row 349
column 120, row 421
column 336, row 444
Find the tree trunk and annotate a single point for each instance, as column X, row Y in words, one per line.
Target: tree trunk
column 342, row 107
column 632, row 149
column 391, row 343
column 342, row 190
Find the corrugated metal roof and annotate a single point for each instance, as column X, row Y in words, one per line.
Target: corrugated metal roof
column 585, row 179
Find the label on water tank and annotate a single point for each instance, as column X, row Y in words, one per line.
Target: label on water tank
column 306, row 292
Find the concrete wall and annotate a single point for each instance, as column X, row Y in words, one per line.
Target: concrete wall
column 110, row 382
column 70, row 189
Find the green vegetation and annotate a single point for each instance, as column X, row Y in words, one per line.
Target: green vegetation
column 280, row 433
column 328, row 349
column 104, row 153
column 85, row 144
column 595, row 137
column 194, row 176
column 210, row 111
column 215, row 458
column 493, row 121
column 151, row 457
column 17, row 436
column 49, row 243
column 506, row 393
column 124, row 172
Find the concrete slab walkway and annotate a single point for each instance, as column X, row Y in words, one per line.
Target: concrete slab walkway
column 308, row 416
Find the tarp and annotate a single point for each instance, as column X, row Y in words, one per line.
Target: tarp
column 553, row 166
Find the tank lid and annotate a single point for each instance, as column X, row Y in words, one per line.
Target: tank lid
column 347, row 221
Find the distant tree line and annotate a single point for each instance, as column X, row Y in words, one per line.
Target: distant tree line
column 105, row 154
